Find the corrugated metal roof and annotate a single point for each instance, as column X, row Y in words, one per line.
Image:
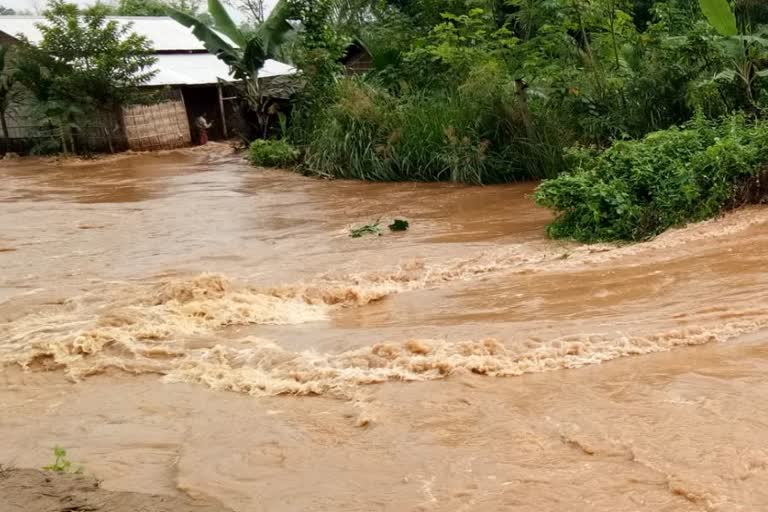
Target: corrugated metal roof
column 204, row 68
column 164, row 33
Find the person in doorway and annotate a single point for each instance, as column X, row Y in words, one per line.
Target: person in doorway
column 202, row 125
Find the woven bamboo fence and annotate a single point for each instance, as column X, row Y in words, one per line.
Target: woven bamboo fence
column 160, row 126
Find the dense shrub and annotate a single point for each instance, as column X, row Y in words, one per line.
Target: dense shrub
column 635, row 190
column 272, row 153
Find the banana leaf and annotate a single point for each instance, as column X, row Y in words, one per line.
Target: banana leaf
column 275, row 29
column 224, row 24
column 214, row 43
column 720, row 16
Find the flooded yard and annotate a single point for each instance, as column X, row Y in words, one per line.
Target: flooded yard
column 187, row 325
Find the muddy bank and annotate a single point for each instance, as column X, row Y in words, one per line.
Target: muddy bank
column 30, row 490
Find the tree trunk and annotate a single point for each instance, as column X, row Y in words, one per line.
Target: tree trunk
column 4, row 124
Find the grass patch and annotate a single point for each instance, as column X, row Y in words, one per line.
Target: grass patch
column 464, row 135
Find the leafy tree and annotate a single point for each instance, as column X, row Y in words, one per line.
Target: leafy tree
column 321, row 39
column 462, row 42
column 84, row 67
column 6, row 11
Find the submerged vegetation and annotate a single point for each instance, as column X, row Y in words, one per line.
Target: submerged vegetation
column 399, row 225
column 61, row 463
column 373, row 228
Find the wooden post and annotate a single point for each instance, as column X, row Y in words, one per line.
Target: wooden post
column 221, row 110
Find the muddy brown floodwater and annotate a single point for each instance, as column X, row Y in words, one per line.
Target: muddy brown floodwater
column 187, row 325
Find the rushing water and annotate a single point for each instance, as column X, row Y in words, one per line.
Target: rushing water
column 182, row 322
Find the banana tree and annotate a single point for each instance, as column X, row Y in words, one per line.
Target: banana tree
column 244, row 52
column 746, row 51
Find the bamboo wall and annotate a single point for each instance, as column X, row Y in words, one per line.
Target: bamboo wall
column 160, row 126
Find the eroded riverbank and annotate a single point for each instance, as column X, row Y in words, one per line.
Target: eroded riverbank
column 159, row 283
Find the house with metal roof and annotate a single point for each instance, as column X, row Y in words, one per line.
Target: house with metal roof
column 194, row 82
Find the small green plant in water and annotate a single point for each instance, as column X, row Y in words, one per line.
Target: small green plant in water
column 368, row 229
column 62, row 464
column 399, row 225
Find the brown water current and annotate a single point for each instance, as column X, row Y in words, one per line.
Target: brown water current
column 185, row 324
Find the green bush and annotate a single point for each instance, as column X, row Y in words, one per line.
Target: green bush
column 635, row 190
column 272, row 153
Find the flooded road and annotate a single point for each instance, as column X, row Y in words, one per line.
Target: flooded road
column 185, row 324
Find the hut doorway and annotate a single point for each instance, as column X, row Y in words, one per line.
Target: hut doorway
column 204, row 100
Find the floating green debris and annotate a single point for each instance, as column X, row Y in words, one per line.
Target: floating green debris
column 368, row 229
column 399, row 225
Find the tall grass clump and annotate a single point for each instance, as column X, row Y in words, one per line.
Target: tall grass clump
column 635, row 190
column 453, row 134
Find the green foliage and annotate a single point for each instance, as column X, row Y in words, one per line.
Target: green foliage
column 399, row 225
column 317, row 49
column 485, row 91
column 100, row 59
column 635, row 190
column 272, row 153
column 720, row 16
column 321, row 42
column 369, row 229
column 746, row 53
column 473, row 134
column 61, row 463
column 461, row 43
